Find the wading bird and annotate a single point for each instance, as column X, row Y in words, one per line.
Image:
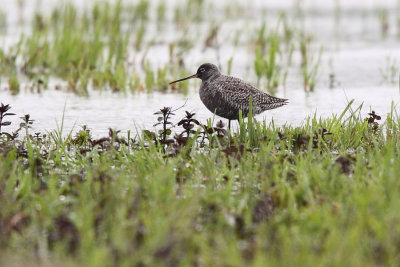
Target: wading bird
column 226, row 95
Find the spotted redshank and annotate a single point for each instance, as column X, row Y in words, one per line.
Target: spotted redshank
column 226, row 95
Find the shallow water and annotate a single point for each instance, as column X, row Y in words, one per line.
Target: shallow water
column 354, row 51
column 130, row 112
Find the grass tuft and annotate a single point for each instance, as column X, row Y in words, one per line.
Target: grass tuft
column 189, row 193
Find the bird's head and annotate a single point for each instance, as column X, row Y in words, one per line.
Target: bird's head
column 207, row 70
column 204, row 72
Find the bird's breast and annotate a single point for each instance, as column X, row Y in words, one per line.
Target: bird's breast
column 209, row 96
column 214, row 100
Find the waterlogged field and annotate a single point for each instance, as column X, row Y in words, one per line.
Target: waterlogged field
column 318, row 55
column 103, row 164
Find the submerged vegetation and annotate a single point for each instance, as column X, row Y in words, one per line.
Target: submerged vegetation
column 192, row 194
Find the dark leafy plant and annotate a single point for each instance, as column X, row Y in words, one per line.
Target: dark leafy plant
column 211, row 133
column 163, row 120
column 4, row 113
column 345, row 163
column 27, row 121
column 372, row 121
column 320, row 134
column 188, row 123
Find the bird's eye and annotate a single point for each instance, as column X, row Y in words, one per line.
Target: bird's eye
column 202, row 70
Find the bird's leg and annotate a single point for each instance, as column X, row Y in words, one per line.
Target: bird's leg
column 229, row 125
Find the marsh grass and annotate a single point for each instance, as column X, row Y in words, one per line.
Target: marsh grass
column 265, row 63
column 324, row 192
column 390, row 73
column 88, row 48
column 310, row 63
column 13, row 84
column 273, row 53
column 108, row 46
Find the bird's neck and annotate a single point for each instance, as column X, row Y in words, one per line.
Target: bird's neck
column 212, row 78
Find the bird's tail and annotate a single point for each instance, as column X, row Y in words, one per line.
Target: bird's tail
column 274, row 102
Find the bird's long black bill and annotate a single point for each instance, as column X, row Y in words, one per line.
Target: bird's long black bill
column 187, row 78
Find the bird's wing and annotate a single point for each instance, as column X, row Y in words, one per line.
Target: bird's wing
column 237, row 93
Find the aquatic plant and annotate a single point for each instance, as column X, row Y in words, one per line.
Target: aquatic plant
column 384, row 21
column 106, row 46
column 267, row 66
column 80, row 48
column 391, row 71
column 13, row 84
column 229, row 68
column 310, row 63
column 273, row 53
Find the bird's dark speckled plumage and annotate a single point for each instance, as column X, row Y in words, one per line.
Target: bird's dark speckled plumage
column 226, row 95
